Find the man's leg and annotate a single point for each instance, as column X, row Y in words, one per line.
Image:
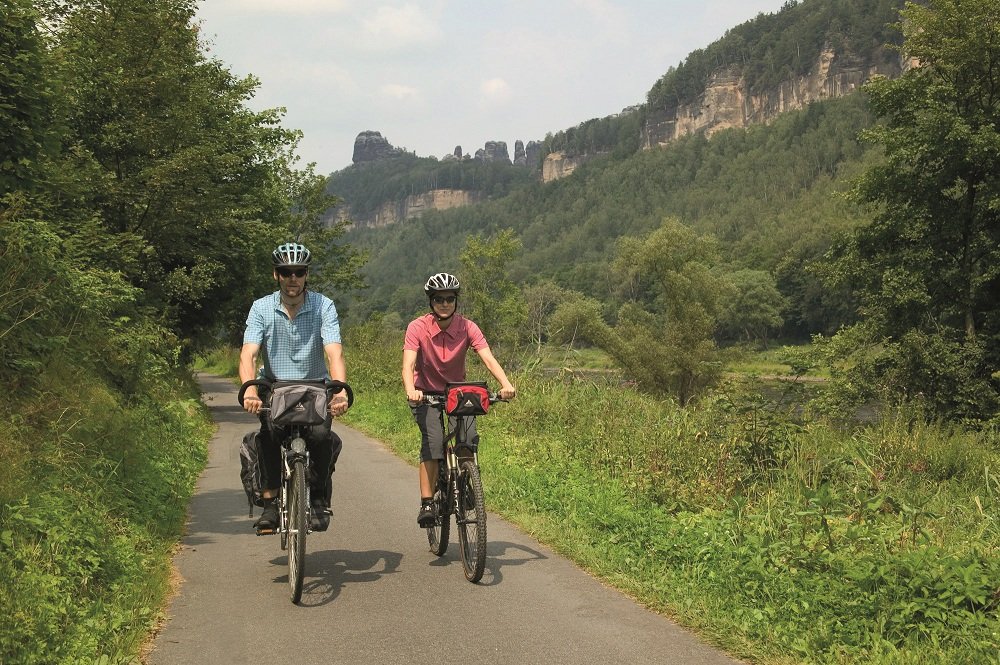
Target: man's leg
column 269, row 459
column 324, row 449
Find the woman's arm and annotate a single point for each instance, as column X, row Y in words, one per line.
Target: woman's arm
column 507, row 389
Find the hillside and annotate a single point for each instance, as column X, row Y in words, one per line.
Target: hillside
column 811, row 51
column 770, row 196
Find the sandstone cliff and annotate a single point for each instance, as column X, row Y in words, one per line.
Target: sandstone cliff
column 411, row 207
column 727, row 103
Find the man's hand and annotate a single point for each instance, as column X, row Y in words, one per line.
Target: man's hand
column 414, row 396
column 338, row 405
column 252, row 403
column 508, row 393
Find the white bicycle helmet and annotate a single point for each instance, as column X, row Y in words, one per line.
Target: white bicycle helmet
column 291, row 254
column 442, row 281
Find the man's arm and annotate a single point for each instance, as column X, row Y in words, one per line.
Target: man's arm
column 248, row 372
column 334, row 353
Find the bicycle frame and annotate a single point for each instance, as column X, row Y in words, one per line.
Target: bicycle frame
column 294, row 501
column 459, row 492
column 293, row 449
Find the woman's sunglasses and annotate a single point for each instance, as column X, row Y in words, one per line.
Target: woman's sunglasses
column 440, row 300
column 288, row 272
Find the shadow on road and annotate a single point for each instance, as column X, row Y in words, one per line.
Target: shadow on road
column 327, row 572
column 499, row 555
column 502, row 554
column 218, row 512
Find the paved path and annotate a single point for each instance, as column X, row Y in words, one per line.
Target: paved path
column 370, row 582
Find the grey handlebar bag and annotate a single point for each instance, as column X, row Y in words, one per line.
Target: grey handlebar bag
column 298, row 405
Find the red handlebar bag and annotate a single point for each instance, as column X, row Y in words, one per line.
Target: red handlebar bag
column 466, row 399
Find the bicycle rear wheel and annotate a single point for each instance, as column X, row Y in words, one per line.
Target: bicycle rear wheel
column 471, row 520
column 298, row 524
column 437, row 535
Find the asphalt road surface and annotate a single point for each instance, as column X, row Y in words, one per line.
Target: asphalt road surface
column 373, row 593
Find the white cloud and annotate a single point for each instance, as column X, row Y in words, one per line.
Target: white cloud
column 494, row 90
column 399, row 92
column 399, row 27
column 611, row 20
column 310, row 7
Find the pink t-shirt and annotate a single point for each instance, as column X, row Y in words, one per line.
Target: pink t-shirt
column 441, row 353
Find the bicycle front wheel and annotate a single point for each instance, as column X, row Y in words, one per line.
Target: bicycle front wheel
column 437, row 534
column 471, row 519
column 298, row 524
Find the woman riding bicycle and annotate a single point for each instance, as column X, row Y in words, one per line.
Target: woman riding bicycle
column 300, row 333
column 434, row 351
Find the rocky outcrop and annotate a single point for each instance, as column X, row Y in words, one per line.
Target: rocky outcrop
column 494, row 151
column 726, row 101
column 411, row 207
column 520, row 158
column 370, row 146
column 533, row 154
column 559, row 165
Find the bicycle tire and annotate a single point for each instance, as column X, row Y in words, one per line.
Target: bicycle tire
column 439, row 532
column 298, row 525
column 470, row 518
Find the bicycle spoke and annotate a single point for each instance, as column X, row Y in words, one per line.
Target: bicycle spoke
column 297, row 529
column 471, row 518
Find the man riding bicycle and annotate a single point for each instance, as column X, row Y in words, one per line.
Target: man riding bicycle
column 434, row 352
column 300, row 333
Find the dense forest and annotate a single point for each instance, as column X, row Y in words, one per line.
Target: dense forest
column 772, row 196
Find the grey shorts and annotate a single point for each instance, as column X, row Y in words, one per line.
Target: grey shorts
column 430, row 420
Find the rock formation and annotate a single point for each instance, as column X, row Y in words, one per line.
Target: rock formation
column 411, row 207
column 726, row 102
column 369, row 146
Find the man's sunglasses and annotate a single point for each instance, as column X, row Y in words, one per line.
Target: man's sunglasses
column 288, row 272
column 440, row 300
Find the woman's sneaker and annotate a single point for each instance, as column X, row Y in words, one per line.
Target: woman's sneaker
column 427, row 514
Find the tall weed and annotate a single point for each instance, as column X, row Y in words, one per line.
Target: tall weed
column 87, row 529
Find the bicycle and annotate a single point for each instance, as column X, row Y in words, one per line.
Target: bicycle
column 459, row 489
column 296, row 405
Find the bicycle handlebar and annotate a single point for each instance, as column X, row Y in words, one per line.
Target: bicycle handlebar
column 331, row 386
column 439, row 400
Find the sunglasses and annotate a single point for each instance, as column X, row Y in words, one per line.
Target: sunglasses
column 288, row 272
column 440, row 300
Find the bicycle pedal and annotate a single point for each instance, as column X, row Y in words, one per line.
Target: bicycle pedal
column 266, row 532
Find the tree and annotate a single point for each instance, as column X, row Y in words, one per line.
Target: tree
column 183, row 189
column 928, row 264
column 663, row 336
column 541, row 301
column 25, row 98
column 491, row 298
column 752, row 308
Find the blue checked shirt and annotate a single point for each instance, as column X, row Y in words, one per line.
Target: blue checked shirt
column 293, row 349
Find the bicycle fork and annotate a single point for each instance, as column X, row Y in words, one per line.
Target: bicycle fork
column 296, row 450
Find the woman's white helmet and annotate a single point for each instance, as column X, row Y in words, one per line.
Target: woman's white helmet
column 442, row 281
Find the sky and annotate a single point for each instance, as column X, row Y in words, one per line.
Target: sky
column 435, row 74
